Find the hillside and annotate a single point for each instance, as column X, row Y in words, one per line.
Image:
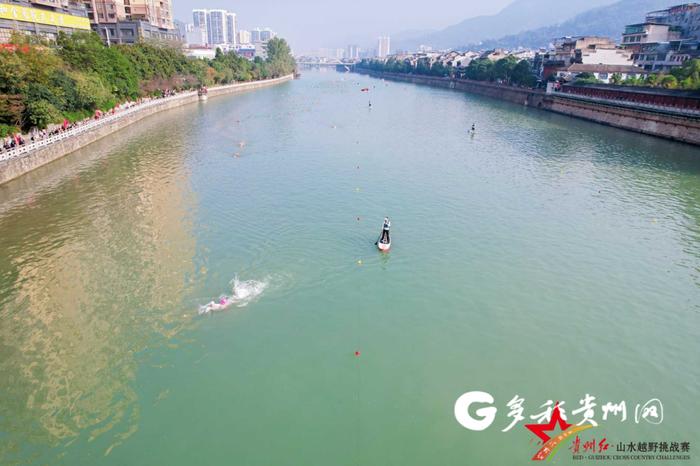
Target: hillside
column 608, row 21
column 520, row 15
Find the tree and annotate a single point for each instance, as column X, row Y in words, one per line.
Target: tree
column 669, row 82
column 616, row 79
column 279, row 57
column 652, row 79
column 522, row 74
column 503, row 68
column 688, row 74
column 40, row 113
column 586, row 78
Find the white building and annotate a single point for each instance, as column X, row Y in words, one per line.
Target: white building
column 602, row 72
column 262, row 34
column 220, row 27
column 383, row 46
column 231, row 29
column 217, row 26
column 200, row 19
column 196, row 36
column 244, row 37
column 353, row 52
column 606, row 56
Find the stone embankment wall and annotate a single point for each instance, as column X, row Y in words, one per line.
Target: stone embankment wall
column 15, row 167
column 665, row 124
column 655, row 123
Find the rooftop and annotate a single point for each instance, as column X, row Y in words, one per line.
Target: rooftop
column 600, row 68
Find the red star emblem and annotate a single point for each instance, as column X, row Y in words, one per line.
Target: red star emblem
column 539, row 429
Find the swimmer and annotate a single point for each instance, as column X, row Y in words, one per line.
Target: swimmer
column 219, row 305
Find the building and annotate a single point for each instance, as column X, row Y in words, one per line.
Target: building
column 196, row 37
column 648, row 33
column 220, row 27
column 246, row 50
column 181, row 28
column 231, row 29
column 666, row 38
column 42, row 17
column 200, row 20
column 570, row 50
column 267, row 34
column 383, row 46
column 129, row 21
column 685, row 18
column 216, row 23
column 352, row 52
column 261, row 34
column 244, row 37
column 601, row 72
column 663, row 57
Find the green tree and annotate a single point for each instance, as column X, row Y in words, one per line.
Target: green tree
column 688, row 74
column 40, row 113
column 669, row 82
column 279, row 58
column 522, row 74
column 586, row 78
column 503, row 68
column 616, row 79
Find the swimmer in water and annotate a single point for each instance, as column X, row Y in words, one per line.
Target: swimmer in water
column 222, row 303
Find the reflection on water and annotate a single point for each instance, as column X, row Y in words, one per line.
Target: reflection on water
column 92, row 274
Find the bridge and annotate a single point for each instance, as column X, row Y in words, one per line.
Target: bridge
column 315, row 62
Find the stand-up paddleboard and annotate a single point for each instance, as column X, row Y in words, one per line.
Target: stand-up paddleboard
column 384, row 244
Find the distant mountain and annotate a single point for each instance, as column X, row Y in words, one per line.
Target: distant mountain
column 607, row 21
column 520, row 15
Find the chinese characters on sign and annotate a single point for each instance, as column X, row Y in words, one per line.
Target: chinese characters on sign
column 476, row 411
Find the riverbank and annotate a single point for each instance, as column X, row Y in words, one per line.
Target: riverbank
column 32, row 156
column 663, row 123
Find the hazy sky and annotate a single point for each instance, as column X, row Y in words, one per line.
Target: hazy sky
column 309, row 24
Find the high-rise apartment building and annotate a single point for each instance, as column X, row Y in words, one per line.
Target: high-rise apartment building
column 383, row 46
column 200, row 20
column 220, row 26
column 352, row 52
column 262, row 34
column 217, row 26
column 231, row 29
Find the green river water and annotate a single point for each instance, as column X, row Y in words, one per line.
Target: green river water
column 544, row 257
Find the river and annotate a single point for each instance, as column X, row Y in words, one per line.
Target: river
column 544, row 257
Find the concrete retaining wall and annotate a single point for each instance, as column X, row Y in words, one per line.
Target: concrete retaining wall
column 655, row 123
column 676, row 127
column 18, row 166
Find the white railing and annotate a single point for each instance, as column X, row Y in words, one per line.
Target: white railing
column 89, row 125
column 110, row 118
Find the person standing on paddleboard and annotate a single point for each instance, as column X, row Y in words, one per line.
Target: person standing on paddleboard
column 385, row 231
